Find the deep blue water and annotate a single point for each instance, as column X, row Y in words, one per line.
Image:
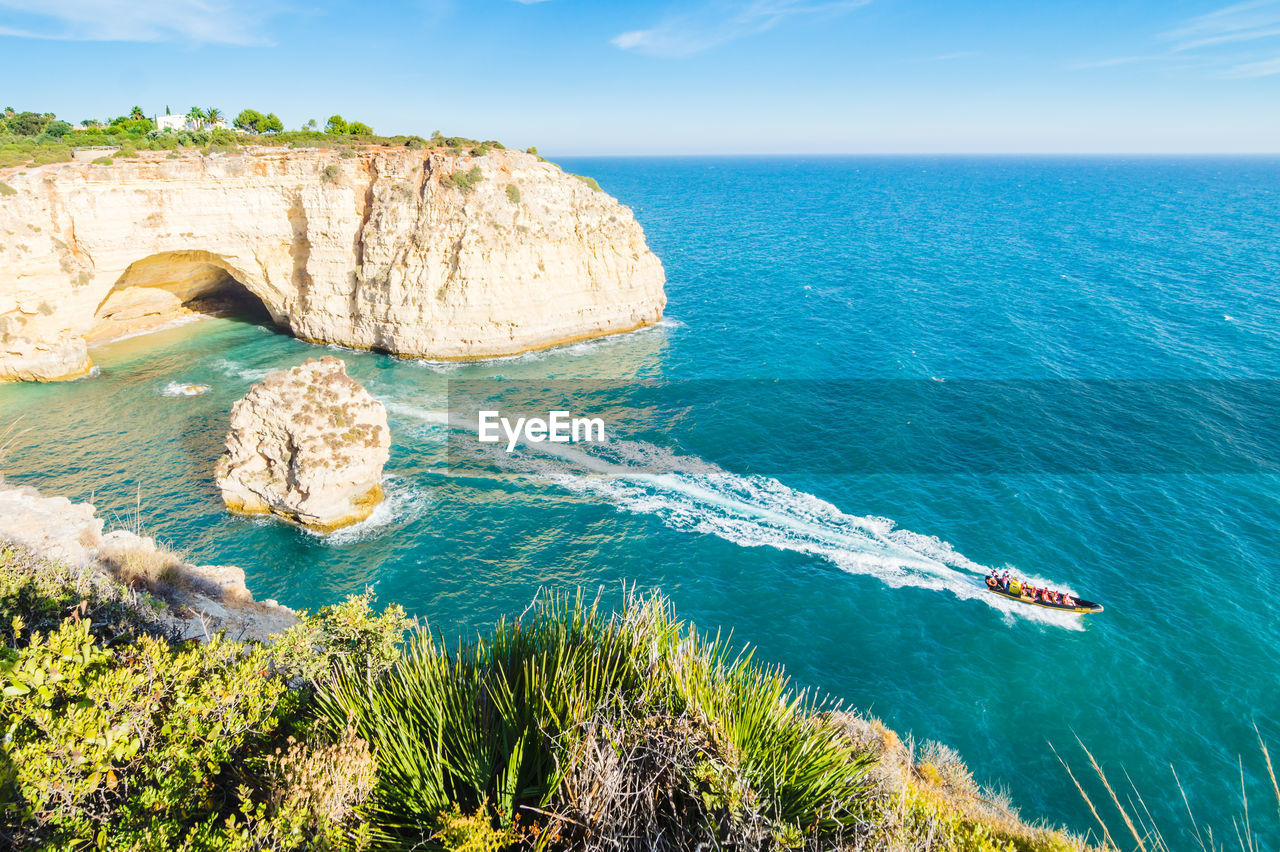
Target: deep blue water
column 815, row 290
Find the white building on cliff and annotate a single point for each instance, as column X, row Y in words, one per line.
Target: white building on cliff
column 182, row 122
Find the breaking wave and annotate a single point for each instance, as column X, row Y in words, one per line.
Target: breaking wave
column 403, row 502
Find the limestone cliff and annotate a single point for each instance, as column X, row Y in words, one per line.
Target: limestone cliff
column 307, row 445
column 415, row 252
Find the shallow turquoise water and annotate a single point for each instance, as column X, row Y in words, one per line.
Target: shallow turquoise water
column 860, row 573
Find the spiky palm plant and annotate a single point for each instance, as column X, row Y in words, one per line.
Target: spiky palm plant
column 496, row 726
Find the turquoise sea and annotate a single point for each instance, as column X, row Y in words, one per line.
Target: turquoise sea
column 930, row 366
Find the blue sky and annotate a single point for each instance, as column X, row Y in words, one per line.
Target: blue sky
column 703, row 76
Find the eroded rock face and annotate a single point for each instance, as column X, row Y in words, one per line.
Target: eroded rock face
column 307, row 445
column 202, row 599
column 393, row 249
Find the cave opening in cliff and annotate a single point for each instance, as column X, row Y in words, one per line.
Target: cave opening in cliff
column 163, row 289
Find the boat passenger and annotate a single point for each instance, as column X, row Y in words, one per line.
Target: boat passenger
column 992, row 582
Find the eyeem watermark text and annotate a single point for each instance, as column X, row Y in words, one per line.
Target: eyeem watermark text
column 559, row 427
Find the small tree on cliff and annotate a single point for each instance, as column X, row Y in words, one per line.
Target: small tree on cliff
column 28, row 123
column 270, row 123
column 136, row 113
column 359, row 128
column 212, row 115
column 196, row 116
column 336, row 126
column 250, row 120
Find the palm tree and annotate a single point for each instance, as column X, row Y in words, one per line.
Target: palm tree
column 213, row 115
column 136, row 113
column 196, row 116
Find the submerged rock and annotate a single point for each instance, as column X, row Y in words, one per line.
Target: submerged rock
column 307, row 445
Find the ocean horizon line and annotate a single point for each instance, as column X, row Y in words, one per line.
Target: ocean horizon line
column 1046, row 155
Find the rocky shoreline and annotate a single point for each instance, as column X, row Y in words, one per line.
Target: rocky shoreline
column 196, row 600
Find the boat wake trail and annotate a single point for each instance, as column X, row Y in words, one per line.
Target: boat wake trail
column 693, row 495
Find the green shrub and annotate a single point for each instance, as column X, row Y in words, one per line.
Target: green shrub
column 41, row 594
column 513, row 193
column 5, row 189
column 133, row 746
column 220, row 137
column 103, row 161
column 589, row 181
column 525, row 718
column 28, row 123
column 331, row 173
column 349, row 633
column 118, row 739
column 462, row 181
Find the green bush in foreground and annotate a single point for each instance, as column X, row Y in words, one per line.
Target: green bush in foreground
column 116, row 738
column 99, row 743
column 575, row 729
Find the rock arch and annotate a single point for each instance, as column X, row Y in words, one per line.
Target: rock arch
column 380, row 250
column 166, row 285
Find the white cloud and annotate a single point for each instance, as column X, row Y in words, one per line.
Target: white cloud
column 714, row 23
column 1240, row 22
column 1249, row 70
column 1220, row 42
column 235, row 22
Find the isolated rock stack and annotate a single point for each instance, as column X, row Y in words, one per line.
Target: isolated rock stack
column 307, row 445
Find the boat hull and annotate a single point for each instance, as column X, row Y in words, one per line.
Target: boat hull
column 1081, row 607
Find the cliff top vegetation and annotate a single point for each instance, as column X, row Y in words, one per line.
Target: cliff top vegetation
column 32, row 138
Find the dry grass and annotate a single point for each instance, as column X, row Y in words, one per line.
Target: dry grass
column 140, row 562
column 8, row 437
column 328, row 782
column 1147, row 835
column 114, row 609
column 926, row 799
column 630, row 785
